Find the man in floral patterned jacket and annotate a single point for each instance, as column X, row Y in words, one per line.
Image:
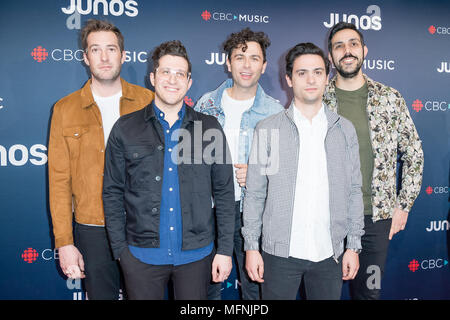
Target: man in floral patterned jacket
column 385, row 130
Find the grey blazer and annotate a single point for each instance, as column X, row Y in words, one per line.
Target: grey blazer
column 271, row 180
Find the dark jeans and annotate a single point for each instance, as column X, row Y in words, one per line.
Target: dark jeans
column 148, row 282
column 283, row 277
column 372, row 259
column 102, row 280
column 249, row 289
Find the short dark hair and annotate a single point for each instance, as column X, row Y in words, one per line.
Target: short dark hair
column 94, row 25
column 342, row 26
column 173, row 48
column 235, row 40
column 301, row 49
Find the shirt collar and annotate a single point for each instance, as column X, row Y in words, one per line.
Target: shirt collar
column 160, row 114
column 320, row 116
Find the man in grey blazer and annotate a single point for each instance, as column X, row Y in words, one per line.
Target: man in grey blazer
column 303, row 192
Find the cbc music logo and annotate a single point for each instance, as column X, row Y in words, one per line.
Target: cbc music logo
column 439, row 30
column 41, row 54
column 427, row 264
column 234, row 17
column 430, row 105
column 31, row 255
column 364, row 22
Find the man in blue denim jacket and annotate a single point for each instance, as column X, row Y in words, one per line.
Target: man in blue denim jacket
column 239, row 103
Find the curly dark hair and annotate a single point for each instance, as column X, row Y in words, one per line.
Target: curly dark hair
column 173, row 48
column 235, row 40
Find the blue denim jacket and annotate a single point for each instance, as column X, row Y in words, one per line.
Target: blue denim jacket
column 263, row 106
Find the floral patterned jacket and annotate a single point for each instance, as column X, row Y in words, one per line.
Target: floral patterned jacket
column 392, row 133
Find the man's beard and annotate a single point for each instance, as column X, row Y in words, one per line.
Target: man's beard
column 106, row 79
column 348, row 74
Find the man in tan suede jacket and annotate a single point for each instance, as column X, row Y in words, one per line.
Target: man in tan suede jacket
column 80, row 127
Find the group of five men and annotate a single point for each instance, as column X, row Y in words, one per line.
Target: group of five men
column 149, row 181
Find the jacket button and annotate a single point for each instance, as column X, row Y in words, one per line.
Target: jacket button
column 154, row 209
column 135, row 155
column 157, row 178
column 160, row 148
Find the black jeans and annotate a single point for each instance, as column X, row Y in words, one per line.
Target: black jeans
column 148, row 282
column 249, row 288
column 372, row 259
column 283, row 277
column 102, row 280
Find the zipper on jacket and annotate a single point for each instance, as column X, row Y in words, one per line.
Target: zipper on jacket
column 331, row 219
column 295, row 181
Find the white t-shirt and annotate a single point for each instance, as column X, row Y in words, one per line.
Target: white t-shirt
column 310, row 233
column 110, row 111
column 233, row 110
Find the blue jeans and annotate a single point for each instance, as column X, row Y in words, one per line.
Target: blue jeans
column 249, row 289
column 283, row 277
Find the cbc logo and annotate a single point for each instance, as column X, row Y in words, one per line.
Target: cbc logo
column 427, row 264
column 439, row 30
column 18, row 155
column 437, row 190
column 40, row 54
column 418, row 105
column 31, row 255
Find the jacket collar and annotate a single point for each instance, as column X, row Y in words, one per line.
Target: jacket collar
column 259, row 105
column 87, row 99
column 332, row 117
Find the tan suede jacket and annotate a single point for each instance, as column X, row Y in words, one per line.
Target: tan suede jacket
column 76, row 157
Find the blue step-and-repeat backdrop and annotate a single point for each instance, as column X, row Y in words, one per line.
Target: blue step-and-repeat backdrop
column 41, row 61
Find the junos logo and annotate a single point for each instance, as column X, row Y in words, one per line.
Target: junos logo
column 113, row 7
column 439, row 225
column 364, row 22
column 444, row 67
column 217, row 58
column 76, row 8
column 18, row 155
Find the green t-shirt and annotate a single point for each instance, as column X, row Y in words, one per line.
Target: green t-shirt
column 353, row 106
